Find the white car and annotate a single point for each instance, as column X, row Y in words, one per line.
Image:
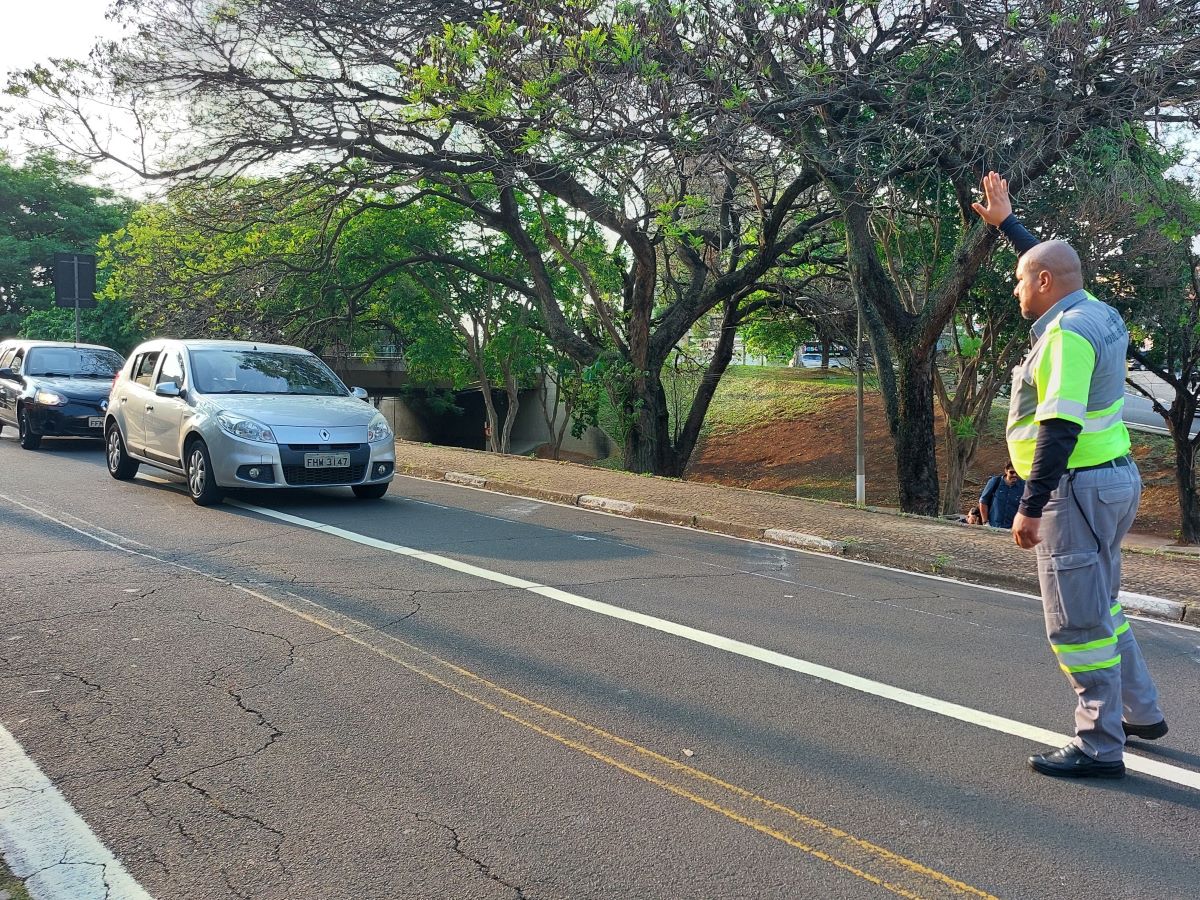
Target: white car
column 236, row 414
column 813, row 361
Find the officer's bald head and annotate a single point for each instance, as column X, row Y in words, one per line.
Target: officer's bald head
column 1046, row 274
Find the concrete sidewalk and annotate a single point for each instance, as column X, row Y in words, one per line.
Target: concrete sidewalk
column 1160, row 584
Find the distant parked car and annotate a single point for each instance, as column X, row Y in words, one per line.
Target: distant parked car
column 813, row 361
column 55, row 389
column 233, row 414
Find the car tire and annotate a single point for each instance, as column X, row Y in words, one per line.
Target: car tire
column 370, row 491
column 201, row 482
column 120, row 465
column 28, row 439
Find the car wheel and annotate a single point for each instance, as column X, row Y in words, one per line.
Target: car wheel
column 201, row 481
column 120, row 465
column 370, row 491
column 25, row 433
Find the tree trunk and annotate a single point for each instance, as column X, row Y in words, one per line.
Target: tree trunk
column 1187, row 448
column 1185, row 480
column 648, row 439
column 907, row 389
column 557, row 430
column 916, row 458
column 685, row 442
column 510, row 414
column 959, row 454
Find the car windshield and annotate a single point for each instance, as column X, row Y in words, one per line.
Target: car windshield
column 218, row 371
column 73, row 362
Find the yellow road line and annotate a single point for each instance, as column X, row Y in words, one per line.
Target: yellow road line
column 944, row 883
column 931, row 883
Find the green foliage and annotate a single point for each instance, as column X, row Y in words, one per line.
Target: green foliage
column 775, row 333
column 110, row 324
column 46, row 208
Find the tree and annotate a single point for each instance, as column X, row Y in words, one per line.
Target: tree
column 46, row 208
column 558, row 104
column 873, row 96
column 1172, row 317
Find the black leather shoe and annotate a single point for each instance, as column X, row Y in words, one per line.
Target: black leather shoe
column 1145, row 732
column 1071, row 762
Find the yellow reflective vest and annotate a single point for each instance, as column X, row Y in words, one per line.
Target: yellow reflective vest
column 1075, row 371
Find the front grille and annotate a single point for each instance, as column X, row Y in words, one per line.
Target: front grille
column 309, row 448
column 300, row 476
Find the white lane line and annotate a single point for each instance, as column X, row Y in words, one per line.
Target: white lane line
column 1129, row 613
column 1153, row 767
column 45, row 842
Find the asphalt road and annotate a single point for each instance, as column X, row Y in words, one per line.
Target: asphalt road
column 240, row 705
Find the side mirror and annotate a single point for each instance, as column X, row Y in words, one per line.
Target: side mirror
column 358, row 392
column 168, row 389
column 6, row 373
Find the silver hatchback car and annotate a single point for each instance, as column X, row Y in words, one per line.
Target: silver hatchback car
column 235, row 414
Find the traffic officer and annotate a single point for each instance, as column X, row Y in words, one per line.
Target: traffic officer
column 1067, row 439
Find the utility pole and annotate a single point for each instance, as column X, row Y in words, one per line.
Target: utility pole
column 860, row 462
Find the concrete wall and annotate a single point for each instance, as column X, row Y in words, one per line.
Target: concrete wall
column 405, row 422
column 531, row 430
column 412, row 422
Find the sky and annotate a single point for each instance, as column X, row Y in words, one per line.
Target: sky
column 34, row 30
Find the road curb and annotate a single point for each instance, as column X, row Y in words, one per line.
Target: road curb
column 1154, row 607
column 607, row 504
column 903, row 559
column 800, row 539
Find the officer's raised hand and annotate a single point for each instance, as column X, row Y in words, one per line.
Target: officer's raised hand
column 999, row 206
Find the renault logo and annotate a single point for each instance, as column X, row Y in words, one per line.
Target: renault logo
column 324, row 435
column 103, row 405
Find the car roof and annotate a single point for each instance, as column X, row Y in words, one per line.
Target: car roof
column 29, row 343
column 205, row 344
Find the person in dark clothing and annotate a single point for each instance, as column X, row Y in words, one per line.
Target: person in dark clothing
column 1000, row 498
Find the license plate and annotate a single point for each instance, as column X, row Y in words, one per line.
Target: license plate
column 95, row 421
column 326, row 460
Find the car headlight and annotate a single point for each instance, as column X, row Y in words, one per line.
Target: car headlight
column 246, row 429
column 378, row 430
column 49, row 398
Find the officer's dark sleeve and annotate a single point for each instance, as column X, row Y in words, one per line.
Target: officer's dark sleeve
column 1018, row 235
column 1056, row 439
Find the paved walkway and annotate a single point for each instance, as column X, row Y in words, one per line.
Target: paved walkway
column 1169, row 583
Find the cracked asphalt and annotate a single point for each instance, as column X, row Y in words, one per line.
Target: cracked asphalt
column 242, row 708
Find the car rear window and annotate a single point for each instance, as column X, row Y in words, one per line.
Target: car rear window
column 72, row 362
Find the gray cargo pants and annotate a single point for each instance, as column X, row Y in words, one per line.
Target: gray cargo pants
column 1079, row 567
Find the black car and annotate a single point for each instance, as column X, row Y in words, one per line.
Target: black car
column 55, row 389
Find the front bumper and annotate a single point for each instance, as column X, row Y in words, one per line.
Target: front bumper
column 283, row 465
column 75, row 419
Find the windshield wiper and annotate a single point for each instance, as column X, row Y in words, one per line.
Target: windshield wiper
column 50, row 374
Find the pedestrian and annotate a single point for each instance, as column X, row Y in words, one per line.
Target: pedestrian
column 1000, row 498
column 972, row 516
column 1067, row 439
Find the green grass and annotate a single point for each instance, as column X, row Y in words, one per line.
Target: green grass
column 747, row 396
column 11, row 887
column 753, row 395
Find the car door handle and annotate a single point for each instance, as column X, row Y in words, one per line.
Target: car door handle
column 149, row 408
